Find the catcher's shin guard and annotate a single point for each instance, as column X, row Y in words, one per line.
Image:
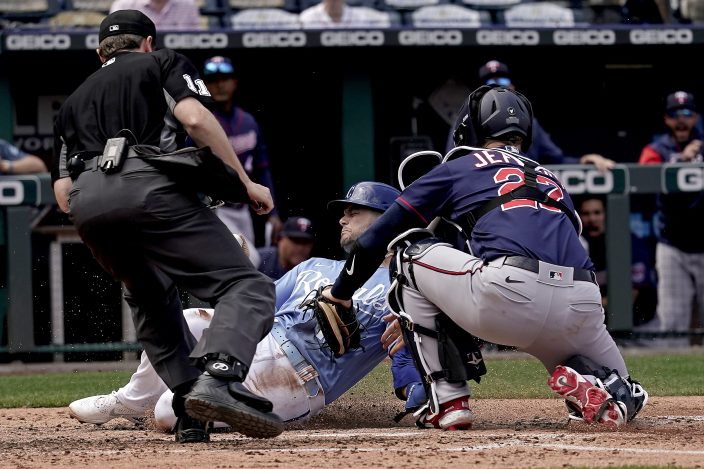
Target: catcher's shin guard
column 592, row 403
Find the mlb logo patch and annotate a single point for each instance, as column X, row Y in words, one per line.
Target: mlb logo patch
column 555, row 275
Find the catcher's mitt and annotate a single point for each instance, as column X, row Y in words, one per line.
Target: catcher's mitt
column 338, row 325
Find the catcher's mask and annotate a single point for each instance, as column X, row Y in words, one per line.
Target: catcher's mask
column 373, row 195
column 493, row 111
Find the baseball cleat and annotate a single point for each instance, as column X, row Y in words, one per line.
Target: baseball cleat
column 453, row 415
column 102, row 409
column 190, row 430
column 215, row 400
column 585, row 400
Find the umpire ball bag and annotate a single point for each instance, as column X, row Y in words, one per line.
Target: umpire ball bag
column 199, row 170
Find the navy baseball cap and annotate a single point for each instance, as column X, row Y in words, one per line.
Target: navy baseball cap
column 298, row 228
column 126, row 22
column 492, row 71
column 218, row 65
column 680, row 100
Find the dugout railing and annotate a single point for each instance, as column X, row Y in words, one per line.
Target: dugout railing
column 23, row 200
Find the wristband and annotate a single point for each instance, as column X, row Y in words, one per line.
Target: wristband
column 9, row 167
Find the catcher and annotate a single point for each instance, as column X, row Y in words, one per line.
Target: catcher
column 296, row 366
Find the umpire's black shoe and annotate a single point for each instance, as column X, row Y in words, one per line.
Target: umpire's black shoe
column 216, row 400
column 190, row 430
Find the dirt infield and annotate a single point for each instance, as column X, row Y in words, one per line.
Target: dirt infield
column 507, row 433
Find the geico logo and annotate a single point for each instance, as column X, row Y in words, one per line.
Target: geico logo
column 11, row 192
column 580, row 181
column 435, row 37
column 91, row 41
column 518, row 37
column 352, row 38
column 38, row 41
column 595, row 37
column 292, row 39
column 661, row 36
column 690, row 179
column 196, row 41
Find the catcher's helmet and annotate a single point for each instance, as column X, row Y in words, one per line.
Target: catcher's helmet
column 374, row 195
column 492, row 111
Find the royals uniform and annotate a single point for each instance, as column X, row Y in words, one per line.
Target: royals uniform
column 300, row 380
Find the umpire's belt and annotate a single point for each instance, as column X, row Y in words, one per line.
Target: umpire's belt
column 532, row 265
column 305, row 370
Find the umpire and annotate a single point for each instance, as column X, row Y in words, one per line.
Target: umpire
column 152, row 232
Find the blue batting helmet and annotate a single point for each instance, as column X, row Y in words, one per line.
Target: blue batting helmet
column 374, row 195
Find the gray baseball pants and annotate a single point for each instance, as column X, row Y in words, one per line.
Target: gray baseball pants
column 509, row 306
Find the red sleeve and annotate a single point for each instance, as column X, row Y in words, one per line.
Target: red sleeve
column 650, row 156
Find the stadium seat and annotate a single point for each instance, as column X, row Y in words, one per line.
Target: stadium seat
column 288, row 5
column 493, row 7
column 447, row 16
column 264, row 18
column 28, row 11
column 303, row 4
column 89, row 5
column 490, row 4
column 77, row 19
column 605, row 11
column 539, row 14
column 402, row 5
column 366, row 18
column 692, row 10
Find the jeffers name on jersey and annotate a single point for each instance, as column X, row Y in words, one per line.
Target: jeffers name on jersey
column 519, row 227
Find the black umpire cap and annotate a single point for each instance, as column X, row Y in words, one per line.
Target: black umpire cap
column 127, row 22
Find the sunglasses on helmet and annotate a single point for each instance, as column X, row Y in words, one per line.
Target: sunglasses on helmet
column 501, row 81
column 680, row 113
column 218, row 66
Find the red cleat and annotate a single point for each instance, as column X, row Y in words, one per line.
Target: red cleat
column 453, row 415
column 588, row 401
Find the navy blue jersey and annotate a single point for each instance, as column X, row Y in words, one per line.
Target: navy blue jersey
column 451, row 190
column 519, row 227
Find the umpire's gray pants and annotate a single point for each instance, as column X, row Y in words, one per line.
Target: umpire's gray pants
column 149, row 234
column 552, row 323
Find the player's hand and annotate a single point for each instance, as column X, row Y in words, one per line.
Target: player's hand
column 327, row 293
column 602, row 164
column 692, row 150
column 260, row 196
column 392, row 338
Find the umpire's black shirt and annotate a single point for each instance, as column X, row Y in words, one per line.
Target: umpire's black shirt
column 132, row 90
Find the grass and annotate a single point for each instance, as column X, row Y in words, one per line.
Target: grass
column 661, row 375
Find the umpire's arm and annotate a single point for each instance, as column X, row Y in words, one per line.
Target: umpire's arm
column 205, row 130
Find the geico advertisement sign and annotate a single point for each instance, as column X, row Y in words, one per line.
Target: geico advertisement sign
column 661, row 36
column 433, row 37
column 11, row 192
column 38, row 42
column 352, row 38
column 512, row 37
column 590, row 37
column 586, row 181
column 683, row 179
column 196, row 41
column 274, row 39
